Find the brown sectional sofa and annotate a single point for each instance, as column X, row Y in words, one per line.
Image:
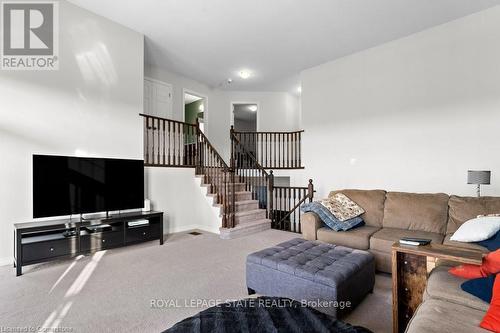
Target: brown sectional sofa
column 446, row 307
column 390, row 216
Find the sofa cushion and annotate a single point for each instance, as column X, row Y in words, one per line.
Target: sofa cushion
column 372, row 201
column 442, row 285
column 358, row 238
column 438, row 316
column 383, row 239
column 471, row 246
column 462, row 209
column 414, row 211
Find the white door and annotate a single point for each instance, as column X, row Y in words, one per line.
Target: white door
column 157, row 98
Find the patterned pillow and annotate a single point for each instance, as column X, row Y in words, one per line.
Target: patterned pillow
column 342, row 207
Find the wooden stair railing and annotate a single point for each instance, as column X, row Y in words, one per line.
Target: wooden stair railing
column 273, row 150
column 287, row 200
column 219, row 175
column 172, row 143
column 248, row 171
column 169, row 142
column 282, row 203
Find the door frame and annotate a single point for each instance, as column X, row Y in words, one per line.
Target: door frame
column 231, row 112
column 156, row 81
column 205, row 100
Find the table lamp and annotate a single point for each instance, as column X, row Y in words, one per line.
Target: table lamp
column 478, row 178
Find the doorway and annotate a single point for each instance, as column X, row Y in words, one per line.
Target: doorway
column 195, row 107
column 244, row 119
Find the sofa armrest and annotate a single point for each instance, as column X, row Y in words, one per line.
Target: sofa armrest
column 310, row 225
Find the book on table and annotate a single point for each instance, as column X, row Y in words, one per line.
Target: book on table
column 414, row 241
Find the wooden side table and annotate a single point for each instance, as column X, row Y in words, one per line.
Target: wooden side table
column 409, row 276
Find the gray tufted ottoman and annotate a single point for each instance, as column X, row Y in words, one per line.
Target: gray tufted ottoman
column 321, row 275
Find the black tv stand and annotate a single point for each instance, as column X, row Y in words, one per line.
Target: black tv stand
column 36, row 242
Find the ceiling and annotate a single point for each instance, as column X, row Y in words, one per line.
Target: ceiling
column 212, row 40
column 243, row 112
column 188, row 98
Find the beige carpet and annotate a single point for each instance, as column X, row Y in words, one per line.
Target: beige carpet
column 112, row 291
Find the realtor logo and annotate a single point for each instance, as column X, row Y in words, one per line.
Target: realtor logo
column 30, row 35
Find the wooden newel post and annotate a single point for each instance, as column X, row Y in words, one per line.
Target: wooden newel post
column 197, row 153
column 310, row 190
column 270, row 196
column 232, row 222
column 231, row 137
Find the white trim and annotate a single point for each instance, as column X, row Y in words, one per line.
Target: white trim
column 231, row 112
column 158, row 81
column 205, row 103
column 214, row 230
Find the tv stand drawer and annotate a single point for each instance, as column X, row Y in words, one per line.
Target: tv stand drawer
column 139, row 234
column 101, row 241
column 35, row 252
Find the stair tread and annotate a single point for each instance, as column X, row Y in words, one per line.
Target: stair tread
column 250, row 212
column 239, row 203
column 247, row 225
column 237, row 192
column 208, row 184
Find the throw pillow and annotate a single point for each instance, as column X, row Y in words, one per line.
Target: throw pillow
column 490, row 265
column 481, row 288
column 491, row 320
column 492, row 243
column 342, row 207
column 478, row 229
column 329, row 219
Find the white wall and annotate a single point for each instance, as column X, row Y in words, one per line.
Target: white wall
column 411, row 115
column 278, row 111
column 89, row 106
column 177, row 192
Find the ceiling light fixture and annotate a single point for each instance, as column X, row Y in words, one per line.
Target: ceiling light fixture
column 299, row 90
column 252, row 108
column 244, row 74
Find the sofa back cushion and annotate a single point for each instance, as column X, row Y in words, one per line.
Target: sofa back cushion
column 462, row 209
column 372, row 201
column 415, row 211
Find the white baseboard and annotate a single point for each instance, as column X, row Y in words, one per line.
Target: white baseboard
column 6, row 261
column 183, row 228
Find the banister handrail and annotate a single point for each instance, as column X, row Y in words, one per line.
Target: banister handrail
column 269, row 132
column 273, row 150
column 278, row 222
column 166, row 119
column 254, row 159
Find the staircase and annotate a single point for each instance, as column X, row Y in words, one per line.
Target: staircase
column 248, row 217
column 243, row 191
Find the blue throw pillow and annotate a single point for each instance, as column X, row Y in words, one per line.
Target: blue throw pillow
column 481, row 288
column 329, row 219
column 492, row 243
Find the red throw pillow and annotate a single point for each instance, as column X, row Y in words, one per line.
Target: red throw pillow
column 491, row 320
column 491, row 265
column 467, row 271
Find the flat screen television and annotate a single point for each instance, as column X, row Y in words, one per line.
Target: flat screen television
column 64, row 185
